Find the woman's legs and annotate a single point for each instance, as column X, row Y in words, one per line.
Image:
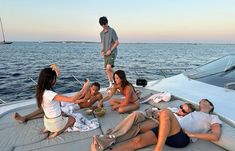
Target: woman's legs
column 115, row 103
column 70, row 123
column 129, row 107
column 39, row 113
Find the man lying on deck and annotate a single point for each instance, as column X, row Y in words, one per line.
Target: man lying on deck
column 196, row 125
column 136, row 123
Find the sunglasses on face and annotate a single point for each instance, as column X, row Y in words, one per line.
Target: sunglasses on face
column 182, row 109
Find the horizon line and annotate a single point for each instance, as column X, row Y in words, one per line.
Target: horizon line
column 78, row 41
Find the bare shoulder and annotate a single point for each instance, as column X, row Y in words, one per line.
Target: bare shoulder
column 128, row 89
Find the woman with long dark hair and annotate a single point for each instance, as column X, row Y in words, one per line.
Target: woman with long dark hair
column 49, row 101
column 130, row 101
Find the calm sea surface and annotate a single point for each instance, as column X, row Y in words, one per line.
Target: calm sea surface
column 22, row 61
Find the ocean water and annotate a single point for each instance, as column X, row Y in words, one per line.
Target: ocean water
column 22, row 61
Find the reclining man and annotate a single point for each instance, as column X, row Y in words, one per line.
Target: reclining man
column 196, row 125
column 136, row 123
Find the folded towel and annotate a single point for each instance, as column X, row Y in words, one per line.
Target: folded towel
column 81, row 124
column 158, row 97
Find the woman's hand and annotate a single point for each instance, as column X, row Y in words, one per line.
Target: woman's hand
column 56, row 69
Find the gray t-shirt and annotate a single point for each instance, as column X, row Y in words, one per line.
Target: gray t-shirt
column 108, row 38
column 199, row 122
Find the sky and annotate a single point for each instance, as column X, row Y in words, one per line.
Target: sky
column 154, row 21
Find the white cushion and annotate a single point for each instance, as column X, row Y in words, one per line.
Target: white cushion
column 227, row 139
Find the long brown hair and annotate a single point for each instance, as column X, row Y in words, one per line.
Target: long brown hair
column 191, row 107
column 46, row 80
column 121, row 74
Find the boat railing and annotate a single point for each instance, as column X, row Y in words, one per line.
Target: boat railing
column 71, row 75
column 32, row 80
column 77, row 79
column 163, row 70
column 2, row 102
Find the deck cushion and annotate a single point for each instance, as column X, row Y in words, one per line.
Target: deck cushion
column 21, row 134
column 227, row 137
column 62, row 139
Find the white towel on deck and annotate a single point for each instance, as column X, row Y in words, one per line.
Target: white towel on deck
column 81, row 124
column 158, row 97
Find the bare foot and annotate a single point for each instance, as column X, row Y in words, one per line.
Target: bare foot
column 44, row 131
column 95, row 146
column 114, row 107
column 18, row 118
column 52, row 135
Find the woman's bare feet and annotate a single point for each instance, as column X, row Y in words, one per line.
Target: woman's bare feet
column 18, row 118
column 115, row 107
column 53, row 134
column 44, row 131
column 95, row 147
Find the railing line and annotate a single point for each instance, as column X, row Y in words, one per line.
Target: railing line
column 4, row 102
column 178, row 68
column 77, row 80
column 33, row 80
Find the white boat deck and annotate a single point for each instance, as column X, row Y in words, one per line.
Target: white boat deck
column 27, row 137
column 183, row 87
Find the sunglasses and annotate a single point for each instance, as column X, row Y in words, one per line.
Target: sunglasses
column 182, row 109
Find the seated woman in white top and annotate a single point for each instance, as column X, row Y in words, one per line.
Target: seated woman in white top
column 82, row 98
column 49, row 101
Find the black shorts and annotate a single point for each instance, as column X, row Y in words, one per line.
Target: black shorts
column 178, row 140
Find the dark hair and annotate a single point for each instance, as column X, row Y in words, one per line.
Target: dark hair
column 103, row 20
column 46, row 80
column 211, row 104
column 96, row 84
column 191, row 107
column 121, row 74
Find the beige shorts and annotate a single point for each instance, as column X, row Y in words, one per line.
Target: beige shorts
column 55, row 124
